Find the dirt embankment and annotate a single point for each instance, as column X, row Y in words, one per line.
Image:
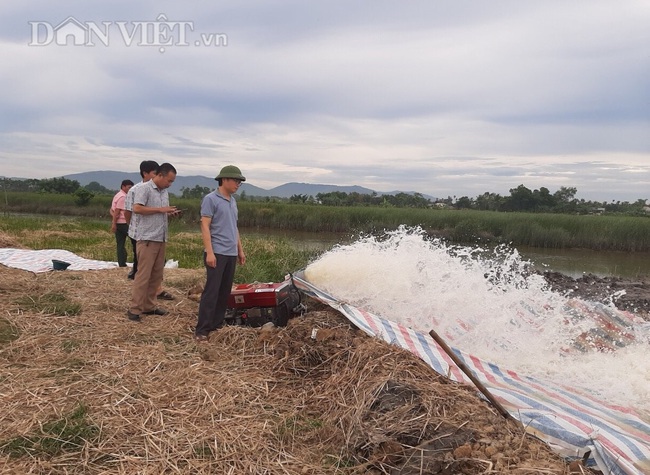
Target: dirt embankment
column 91, row 392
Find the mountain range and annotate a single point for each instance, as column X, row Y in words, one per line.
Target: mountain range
column 112, row 179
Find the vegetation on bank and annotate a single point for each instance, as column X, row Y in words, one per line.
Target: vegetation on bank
column 545, row 230
column 621, row 233
column 520, row 199
column 269, row 260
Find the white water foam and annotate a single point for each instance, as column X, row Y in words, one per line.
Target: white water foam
column 488, row 303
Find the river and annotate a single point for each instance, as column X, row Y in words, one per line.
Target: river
column 572, row 262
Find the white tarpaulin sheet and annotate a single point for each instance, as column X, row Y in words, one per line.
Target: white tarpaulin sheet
column 41, row 260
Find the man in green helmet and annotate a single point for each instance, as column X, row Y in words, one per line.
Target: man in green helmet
column 223, row 250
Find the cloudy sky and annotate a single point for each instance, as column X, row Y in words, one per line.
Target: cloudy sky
column 447, row 98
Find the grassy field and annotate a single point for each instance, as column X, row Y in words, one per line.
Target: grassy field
column 607, row 232
column 268, row 259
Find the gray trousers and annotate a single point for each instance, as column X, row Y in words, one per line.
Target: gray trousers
column 214, row 299
column 121, row 233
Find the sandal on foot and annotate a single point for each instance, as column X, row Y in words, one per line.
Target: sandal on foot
column 165, row 296
column 201, row 338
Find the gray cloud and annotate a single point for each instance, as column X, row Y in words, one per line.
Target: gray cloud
column 438, row 97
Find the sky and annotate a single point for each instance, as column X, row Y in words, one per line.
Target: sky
column 445, row 98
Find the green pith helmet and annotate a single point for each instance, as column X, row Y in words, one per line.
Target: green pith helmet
column 230, row 171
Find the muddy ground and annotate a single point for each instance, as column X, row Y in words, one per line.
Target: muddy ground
column 632, row 295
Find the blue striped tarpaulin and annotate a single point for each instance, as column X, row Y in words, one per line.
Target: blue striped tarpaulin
column 572, row 423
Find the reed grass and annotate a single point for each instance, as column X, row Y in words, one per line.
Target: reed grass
column 606, row 232
column 616, row 233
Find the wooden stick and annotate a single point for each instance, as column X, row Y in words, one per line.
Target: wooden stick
column 470, row 375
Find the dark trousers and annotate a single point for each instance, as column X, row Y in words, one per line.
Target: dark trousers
column 121, row 233
column 134, row 243
column 214, row 299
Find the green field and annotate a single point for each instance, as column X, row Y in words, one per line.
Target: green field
column 268, row 260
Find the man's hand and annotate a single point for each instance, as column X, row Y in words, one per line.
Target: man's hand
column 211, row 260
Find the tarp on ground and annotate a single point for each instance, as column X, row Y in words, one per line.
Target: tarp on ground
column 41, row 260
column 570, row 422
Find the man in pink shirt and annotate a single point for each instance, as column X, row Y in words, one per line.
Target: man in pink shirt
column 120, row 225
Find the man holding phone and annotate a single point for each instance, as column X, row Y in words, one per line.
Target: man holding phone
column 150, row 230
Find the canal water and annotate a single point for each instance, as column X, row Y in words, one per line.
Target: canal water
column 571, row 262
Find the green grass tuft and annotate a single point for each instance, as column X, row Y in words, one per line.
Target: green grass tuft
column 52, row 303
column 70, row 433
column 297, row 426
column 8, row 332
column 70, row 345
column 204, row 450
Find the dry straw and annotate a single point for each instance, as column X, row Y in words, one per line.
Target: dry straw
column 249, row 401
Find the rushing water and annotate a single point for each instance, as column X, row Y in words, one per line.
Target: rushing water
column 486, row 303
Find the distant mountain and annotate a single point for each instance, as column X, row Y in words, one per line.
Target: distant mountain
column 112, row 179
column 289, row 189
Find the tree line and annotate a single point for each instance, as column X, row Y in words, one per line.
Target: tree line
column 60, row 185
column 563, row 200
column 520, row 199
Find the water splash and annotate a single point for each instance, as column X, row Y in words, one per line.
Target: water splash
column 489, row 303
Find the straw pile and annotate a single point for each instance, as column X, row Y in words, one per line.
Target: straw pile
column 94, row 393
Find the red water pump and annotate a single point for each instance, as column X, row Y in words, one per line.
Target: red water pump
column 260, row 303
